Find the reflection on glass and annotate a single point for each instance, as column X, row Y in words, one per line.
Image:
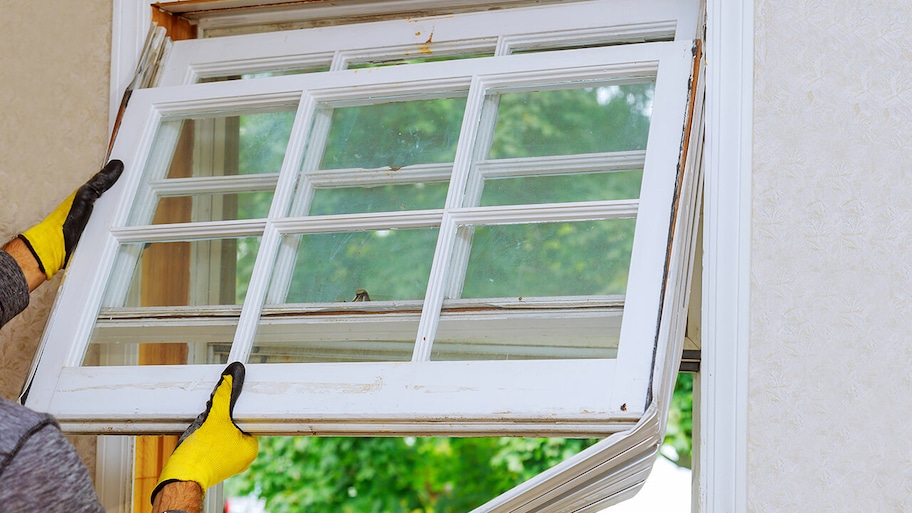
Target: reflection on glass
column 331, row 267
column 317, row 68
column 533, row 336
column 212, row 150
column 394, row 135
column 225, row 145
column 205, row 272
column 124, row 339
column 383, row 198
column 212, row 207
column 549, row 259
column 591, row 119
column 329, row 338
column 562, row 188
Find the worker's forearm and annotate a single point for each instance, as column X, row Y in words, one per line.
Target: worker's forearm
column 179, row 495
column 26, row 260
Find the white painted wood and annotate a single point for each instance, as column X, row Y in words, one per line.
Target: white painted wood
column 577, row 23
column 486, row 396
column 516, row 72
column 130, row 24
column 726, row 279
column 114, row 473
column 647, row 262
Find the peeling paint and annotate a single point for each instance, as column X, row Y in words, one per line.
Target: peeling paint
column 425, row 47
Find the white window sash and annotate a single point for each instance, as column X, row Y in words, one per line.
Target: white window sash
column 606, row 396
column 502, row 32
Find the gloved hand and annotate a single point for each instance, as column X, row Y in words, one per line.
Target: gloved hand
column 213, row 448
column 52, row 240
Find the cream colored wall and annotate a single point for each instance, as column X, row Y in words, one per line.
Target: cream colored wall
column 53, row 133
column 53, row 136
column 830, row 412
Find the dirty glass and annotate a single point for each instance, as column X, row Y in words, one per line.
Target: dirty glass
column 203, row 273
column 394, row 135
column 402, row 153
column 589, row 119
column 531, row 335
column 185, row 273
column 562, row 188
column 382, row 198
column 549, row 259
column 204, row 206
column 211, row 150
column 121, row 340
column 331, row 267
column 348, row 273
column 281, row 72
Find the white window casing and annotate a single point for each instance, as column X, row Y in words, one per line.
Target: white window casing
column 623, row 398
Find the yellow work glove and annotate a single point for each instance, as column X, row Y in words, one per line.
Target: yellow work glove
column 213, row 448
column 52, row 240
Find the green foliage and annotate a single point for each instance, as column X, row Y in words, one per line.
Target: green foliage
column 416, row 475
column 679, row 431
column 393, row 475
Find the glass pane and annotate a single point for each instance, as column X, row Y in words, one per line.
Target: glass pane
column 570, row 121
column 384, row 198
column 208, row 147
column 317, row 68
column 532, row 335
column 331, row 267
column 436, row 57
column 562, row 188
column 382, row 272
column 212, row 207
column 205, row 272
column 334, row 337
column 394, row 135
column 134, row 340
column 549, row 259
column 226, row 145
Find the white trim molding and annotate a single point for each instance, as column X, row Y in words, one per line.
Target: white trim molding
column 726, row 286
column 130, row 23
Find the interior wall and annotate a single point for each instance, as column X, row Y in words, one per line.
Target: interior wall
column 831, row 292
column 53, row 136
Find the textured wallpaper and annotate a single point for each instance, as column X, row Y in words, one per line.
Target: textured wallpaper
column 53, row 135
column 830, row 413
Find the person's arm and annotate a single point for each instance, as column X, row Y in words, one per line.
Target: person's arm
column 39, row 469
column 179, row 496
column 27, row 263
column 14, row 289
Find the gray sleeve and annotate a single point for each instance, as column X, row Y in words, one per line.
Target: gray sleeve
column 14, row 292
column 46, row 474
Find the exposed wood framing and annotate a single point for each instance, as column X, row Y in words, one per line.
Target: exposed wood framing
column 176, row 26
